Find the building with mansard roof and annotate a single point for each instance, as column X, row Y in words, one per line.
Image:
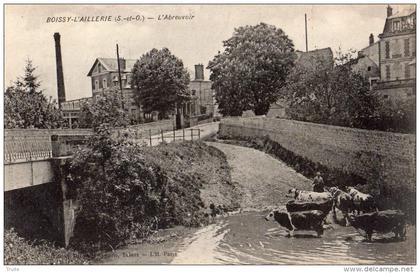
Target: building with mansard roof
column 395, row 55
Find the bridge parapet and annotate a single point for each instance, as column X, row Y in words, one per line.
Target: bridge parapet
column 27, row 148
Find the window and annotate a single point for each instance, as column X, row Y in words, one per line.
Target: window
column 193, row 92
column 407, row 71
column 396, row 26
column 369, row 68
column 406, row 48
column 385, row 96
column 387, row 51
column 99, row 67
column 96, row 85
column 104, row 83
column 388, row 72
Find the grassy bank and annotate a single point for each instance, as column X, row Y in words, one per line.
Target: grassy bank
column 206, row 166
column 19, row 251
column 127, row 192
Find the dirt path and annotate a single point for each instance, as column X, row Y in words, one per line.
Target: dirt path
column 263, row 180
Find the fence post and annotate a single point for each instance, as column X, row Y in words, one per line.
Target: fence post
column 150, row 137
column 174, row 134
column 199, row 134
column 183, row 134
column 192, row 134
column 161, row 133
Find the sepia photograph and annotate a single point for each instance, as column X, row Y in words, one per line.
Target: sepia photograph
column 210, row 134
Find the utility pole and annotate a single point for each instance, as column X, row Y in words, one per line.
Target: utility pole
column 306, row 33
column 119, row 78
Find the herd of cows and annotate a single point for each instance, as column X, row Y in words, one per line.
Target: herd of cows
column 308, row 211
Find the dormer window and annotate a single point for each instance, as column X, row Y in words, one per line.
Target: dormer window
column 104, row 83
column 396, row 25
column 99, row 67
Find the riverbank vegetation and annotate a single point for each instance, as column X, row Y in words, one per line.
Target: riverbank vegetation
column 126, row 192
column 19, row 251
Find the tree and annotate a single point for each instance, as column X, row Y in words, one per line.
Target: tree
column 253, row 67
column 25, row 106
column 336, row 96
column 160, row 82
column 105, row 108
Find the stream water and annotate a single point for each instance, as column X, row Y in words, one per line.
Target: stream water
column 247, row 238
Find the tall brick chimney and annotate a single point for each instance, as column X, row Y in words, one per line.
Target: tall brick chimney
column 388, row 11
column 59, row 64
column 371, row 39
column 199, row 72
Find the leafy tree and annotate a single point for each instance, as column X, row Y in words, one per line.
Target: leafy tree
column 105, row 108
column 336, row 96
column 25, row 106
column 160, row 82
column 253, row 67
column 124, row 194
column 396, row 116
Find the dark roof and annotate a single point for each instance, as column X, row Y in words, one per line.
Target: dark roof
column 387, row 31
column 407, row 11
column 111, row 65
column 312, row 59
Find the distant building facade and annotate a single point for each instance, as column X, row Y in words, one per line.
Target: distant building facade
column 71, row 110
column 104, row 78
column 367, row 62
column 203, row 99
column 395, row 56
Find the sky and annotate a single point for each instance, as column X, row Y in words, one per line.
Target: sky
column 29, row 35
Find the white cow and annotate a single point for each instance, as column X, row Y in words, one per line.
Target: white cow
column 362, row 202
column 310, row 196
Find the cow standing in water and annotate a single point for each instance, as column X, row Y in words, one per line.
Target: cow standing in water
column 362, row 202
column 294, row 206
column 302, row 220
column 342, row 201
column 310, row 196
column 380, row 222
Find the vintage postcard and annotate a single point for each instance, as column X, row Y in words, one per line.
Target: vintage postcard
column 204, row 134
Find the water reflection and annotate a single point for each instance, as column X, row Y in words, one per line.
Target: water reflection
column 248, row 239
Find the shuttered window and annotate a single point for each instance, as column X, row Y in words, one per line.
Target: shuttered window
column 406, row 48
column 407, row 71
column 388, row 72
column 387, row 51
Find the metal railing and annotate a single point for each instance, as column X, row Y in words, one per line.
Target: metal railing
column 27, row 148
column 24, row 148
column 154, row 137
